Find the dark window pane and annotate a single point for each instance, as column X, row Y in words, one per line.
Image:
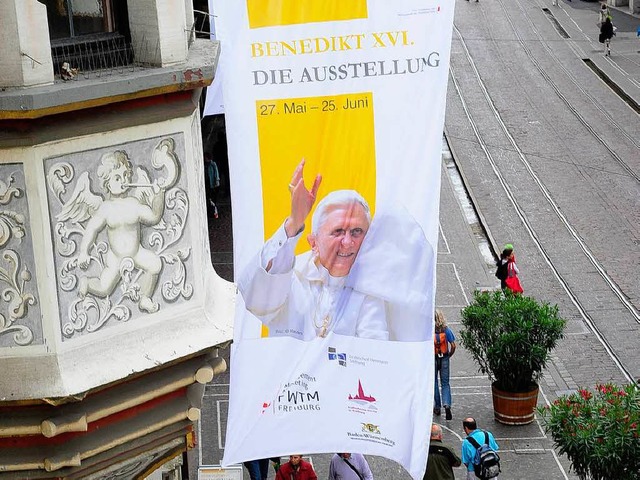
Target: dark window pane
column 89, row 35
column 58, row 18
column 88, row 17
column 74, row 18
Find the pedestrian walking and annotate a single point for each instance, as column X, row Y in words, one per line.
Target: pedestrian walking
column 444, row 343
column 478, row 439
column 442, row 459
column 507, row 270
column 212, row 182
column 349, row 466
column 603, row 14
column 606, row 34
column 555, row 2
column 296, row 469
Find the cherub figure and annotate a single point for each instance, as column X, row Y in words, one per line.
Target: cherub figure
column 122, row 216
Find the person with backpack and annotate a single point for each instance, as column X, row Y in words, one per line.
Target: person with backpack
column 479, row 452
column 507, row 270
column 442, row 459
column 444, row 344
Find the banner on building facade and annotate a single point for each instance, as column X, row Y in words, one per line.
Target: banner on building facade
column 334, row 115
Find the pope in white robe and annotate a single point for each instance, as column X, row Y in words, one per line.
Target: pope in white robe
column 373, row 289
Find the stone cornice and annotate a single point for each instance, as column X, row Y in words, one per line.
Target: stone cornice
column 60, row 97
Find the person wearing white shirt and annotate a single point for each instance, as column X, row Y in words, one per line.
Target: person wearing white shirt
column 349, row 466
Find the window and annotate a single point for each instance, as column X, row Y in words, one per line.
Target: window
column 74, row 18
column 89, row 35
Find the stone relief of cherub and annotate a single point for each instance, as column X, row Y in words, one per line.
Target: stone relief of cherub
column 127, row 211
column 122, row 215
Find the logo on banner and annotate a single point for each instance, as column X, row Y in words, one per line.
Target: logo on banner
column 362, row 403
column 370, row 432
column 296, row 396
column 371, row 428
column 341, row 358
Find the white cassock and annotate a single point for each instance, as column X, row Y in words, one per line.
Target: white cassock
column 386, row 295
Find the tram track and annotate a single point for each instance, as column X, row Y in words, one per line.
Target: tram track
column 586, row 94
column 614, row 287
column 588, row 320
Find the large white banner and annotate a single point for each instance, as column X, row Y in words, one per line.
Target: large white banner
column 214, row 102
column 334, row 114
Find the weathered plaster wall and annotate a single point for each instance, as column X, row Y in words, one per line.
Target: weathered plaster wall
column 158, row 31
column 25, row 51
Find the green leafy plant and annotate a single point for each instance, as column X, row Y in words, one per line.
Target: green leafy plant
column 599, row 432
column 510, row 337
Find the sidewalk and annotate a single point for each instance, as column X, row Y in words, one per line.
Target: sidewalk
column 465, row 263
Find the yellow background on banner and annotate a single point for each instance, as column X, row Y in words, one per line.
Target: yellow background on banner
column 336, row 142
column 268, row 13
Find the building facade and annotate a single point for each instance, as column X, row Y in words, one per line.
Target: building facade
column 111, row 314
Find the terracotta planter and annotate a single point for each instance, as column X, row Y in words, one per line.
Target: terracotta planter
column 514, row 408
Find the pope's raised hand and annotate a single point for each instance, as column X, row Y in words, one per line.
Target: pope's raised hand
column 302, row 200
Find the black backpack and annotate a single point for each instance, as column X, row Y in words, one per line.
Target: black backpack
column 486, row 463
column 501, row 271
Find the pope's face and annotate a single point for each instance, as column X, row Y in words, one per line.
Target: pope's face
column 338, row 240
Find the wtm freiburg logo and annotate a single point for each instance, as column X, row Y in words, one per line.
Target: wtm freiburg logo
column 295, row 396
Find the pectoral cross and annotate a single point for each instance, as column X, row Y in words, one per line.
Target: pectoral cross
column 325, row 325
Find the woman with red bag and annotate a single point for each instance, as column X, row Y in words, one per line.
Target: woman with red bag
column 508, row 271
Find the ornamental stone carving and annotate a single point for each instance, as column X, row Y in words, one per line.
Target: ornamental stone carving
column 20, row 319
column 118, row 226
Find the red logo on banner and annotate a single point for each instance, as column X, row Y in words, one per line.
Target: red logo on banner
column 361, row 402
column 361, row 396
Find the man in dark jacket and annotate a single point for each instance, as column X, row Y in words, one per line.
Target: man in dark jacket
column 441, row 459
column 296, row 469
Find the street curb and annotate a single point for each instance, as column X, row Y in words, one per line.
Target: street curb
column 467, row 186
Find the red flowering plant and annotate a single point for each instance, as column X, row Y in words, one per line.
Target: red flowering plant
column 599, row 432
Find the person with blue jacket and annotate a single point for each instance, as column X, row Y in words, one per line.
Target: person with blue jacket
column 471, row 429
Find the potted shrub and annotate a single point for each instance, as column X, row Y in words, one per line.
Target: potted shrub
column 510, row 337
column 599, row 432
